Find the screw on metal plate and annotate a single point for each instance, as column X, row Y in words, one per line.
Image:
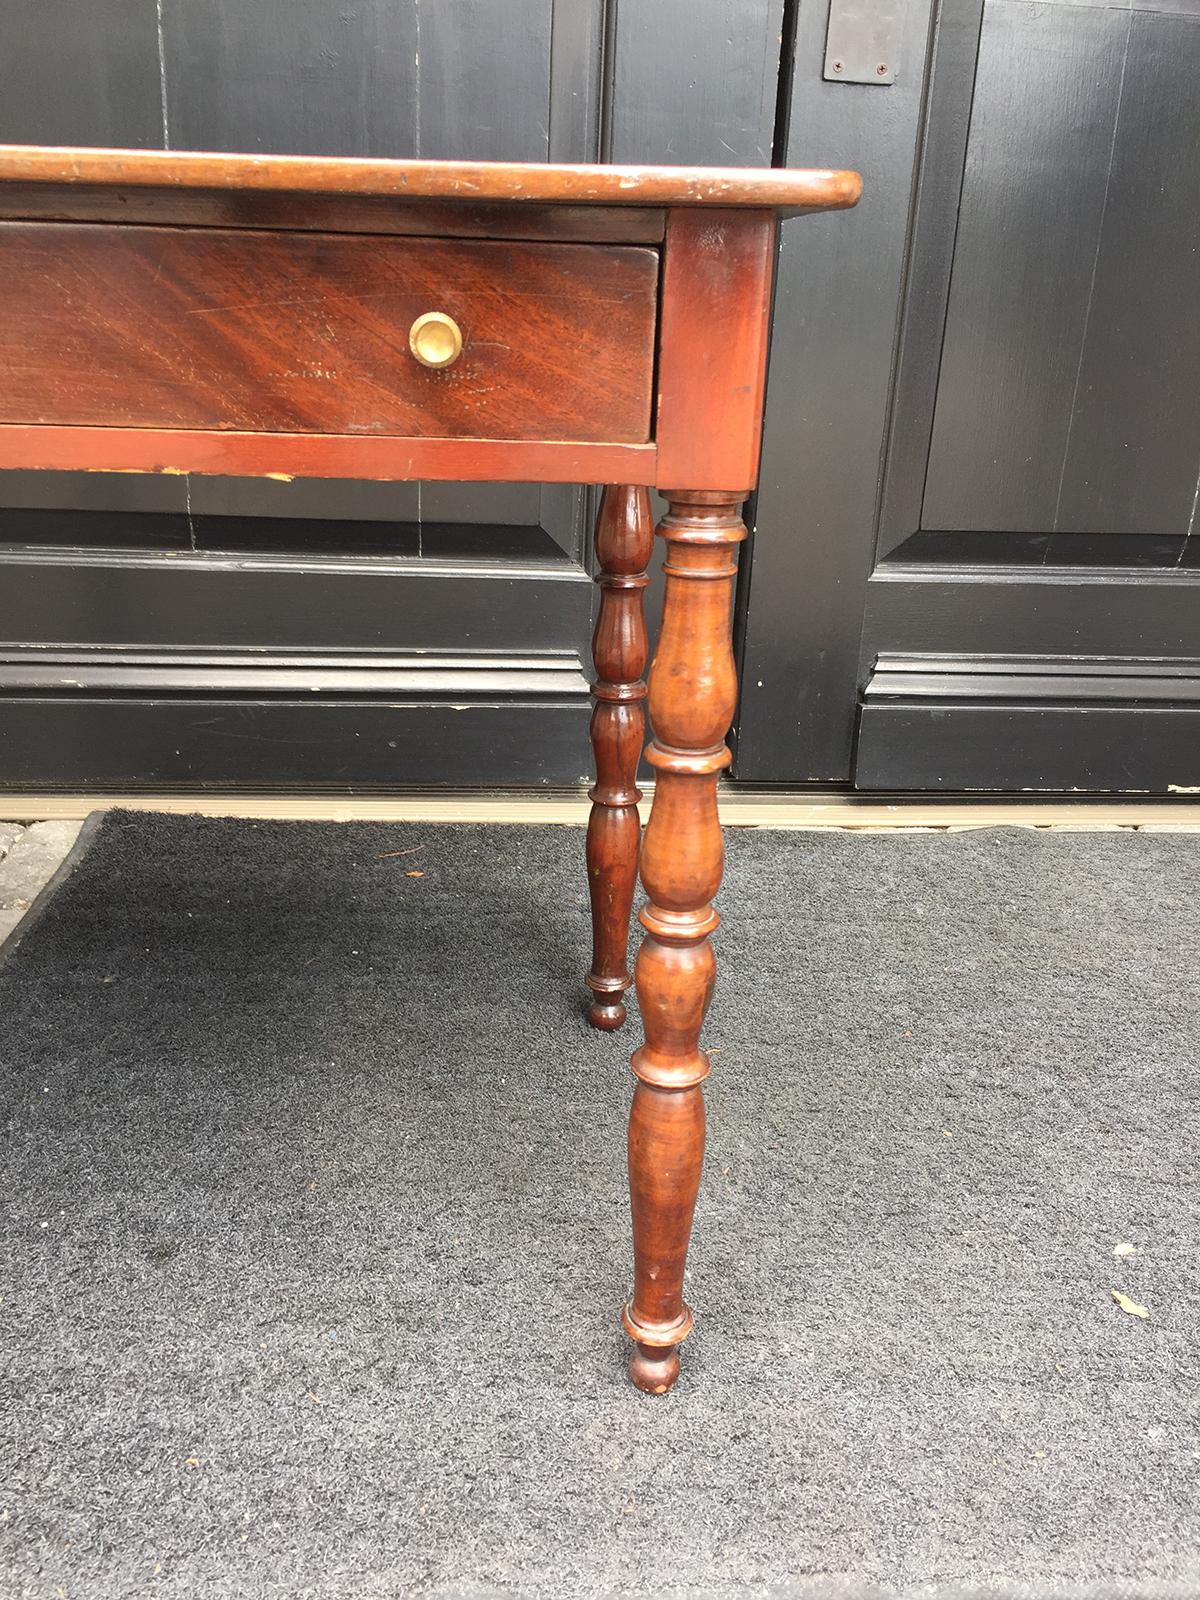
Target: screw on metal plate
column 863, row 41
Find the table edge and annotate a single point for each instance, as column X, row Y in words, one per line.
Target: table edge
column 787, row 190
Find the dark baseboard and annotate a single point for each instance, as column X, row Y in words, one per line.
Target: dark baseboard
column 93, row 743
column 90, row 719
column 1031, row 724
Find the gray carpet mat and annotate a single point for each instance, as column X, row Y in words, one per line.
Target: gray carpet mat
column 315, row 1231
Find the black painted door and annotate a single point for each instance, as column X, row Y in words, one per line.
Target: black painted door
column 975, row 561
column 472, row 604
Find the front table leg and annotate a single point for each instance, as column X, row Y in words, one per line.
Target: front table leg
column 692, row 698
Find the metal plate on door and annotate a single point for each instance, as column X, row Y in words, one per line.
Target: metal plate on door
column 860, row 46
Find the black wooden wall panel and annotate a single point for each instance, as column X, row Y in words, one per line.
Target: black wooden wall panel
column 696, row 84
column 464, row 100
column 836, row 308
column 1048, row 319
column 941, row 161
column 1033, row 199
column 1070, row 361
column 94, row 491
column 80, row 74
column 336, row 498
column 578, row 80
column 350, row 500
column 1033, row 611
column 375, row 77
column 313, row 79
column 259, row 603
column 1134, row 457
column 1015, row 314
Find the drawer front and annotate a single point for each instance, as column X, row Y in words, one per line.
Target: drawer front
column 146, row 327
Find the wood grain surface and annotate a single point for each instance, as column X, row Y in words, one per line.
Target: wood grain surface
column 716, row 307
column 167, row 328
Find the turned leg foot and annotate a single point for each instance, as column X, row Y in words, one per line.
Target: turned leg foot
column 606, row 1010
column 691, row 701
column 654, row 1369
column 624, row 537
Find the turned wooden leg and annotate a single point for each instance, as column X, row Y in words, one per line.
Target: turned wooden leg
column 624, row 537
column 692, row 697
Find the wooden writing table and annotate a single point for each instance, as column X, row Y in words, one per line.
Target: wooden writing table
column 287, row 316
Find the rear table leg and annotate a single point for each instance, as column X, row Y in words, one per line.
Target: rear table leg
column 624, row 539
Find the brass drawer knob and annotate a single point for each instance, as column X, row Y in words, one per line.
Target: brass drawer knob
column 435, row 339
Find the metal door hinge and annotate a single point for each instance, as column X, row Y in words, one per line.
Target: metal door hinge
column 861, row 44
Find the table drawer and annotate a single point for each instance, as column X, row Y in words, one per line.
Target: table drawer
column 208, row 328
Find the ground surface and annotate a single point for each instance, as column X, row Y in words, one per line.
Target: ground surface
column 314, row 1225
column 29, row 858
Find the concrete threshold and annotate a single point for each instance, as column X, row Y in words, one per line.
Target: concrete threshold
column 29, row 858
column 739, row 809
